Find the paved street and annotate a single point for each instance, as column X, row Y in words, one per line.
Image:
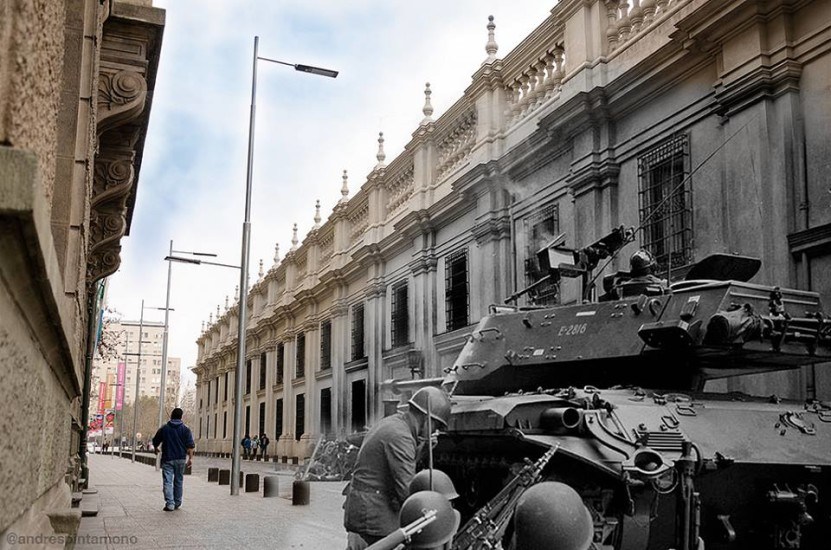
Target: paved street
column 131, row 504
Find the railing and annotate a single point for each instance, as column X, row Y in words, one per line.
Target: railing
column 628, row 19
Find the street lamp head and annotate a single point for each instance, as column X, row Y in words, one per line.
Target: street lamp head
column 316, row 70
column 182, row 260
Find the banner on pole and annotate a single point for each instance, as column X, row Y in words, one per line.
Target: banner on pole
column 109, row 421
column 119, row 389
column 95, row 425
column 102, row 397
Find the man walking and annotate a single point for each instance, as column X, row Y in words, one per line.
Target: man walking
column 177, row 445
column 386, row 465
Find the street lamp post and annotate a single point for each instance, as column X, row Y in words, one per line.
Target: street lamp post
column 163, row 381
column 138, row 378
column 246, row 245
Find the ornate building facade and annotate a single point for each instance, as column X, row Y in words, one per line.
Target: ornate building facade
column 706, row 124
column 76, row 84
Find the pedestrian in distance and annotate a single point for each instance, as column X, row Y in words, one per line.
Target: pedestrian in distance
column 386, row 465
column 255, row 444
column 176, row 441
column 246, row 446
column 264, row 441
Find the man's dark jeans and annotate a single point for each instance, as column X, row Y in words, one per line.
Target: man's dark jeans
column 173, row 476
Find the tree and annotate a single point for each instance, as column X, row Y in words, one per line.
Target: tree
column 148, row 417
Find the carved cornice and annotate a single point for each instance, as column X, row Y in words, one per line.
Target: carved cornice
column 492, row 229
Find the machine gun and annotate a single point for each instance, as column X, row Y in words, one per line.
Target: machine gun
column 487, row 527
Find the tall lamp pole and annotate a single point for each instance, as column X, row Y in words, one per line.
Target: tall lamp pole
column 246, row 244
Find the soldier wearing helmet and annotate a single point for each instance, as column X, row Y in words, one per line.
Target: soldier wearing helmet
column 641, row 278
column 386, row 465
column 552, row 515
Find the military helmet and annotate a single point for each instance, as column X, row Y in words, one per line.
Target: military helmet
column 439, row 403
column 441, row 483
column 439, row 531
column 552, row 515
column 641, row 263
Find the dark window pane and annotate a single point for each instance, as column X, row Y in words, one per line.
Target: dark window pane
column 456, row 292
column 262, row 370
column 325, row 345
column 325, row 411
column 400, row 315
column 300, row 356
column 358, row 351
column 281, row 361
column 541, row 228
column 278, row 425
column 299, row 416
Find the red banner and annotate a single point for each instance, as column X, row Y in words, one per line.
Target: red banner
column 102, row 397
column 119, row 389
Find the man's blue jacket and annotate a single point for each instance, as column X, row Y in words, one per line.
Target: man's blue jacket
column 175, row 439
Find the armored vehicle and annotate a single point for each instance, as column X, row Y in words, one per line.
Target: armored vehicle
column 620, row 389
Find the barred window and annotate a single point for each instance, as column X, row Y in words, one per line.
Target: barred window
column 281, row 361
column 248, row 377
column 208, row 393
column 665, row 200
column 326, row 411
column 358, row 332
column 262, row 418
column 456, row 290
column 278, row 421
column 326, row 345
column 400, row 315
column 225, row 425
column 541, row 228
column 299, row 416
column 263, row 363
column 300, row 356
column 216, row 390
column 225, row 387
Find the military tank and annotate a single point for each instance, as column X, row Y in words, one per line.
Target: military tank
column 617, row 388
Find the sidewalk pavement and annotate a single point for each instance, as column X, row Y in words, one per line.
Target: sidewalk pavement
column 131, row 516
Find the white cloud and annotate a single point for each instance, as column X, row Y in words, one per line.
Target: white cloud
column 308, row 128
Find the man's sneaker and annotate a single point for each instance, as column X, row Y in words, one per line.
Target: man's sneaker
column 177, row 506
column 166, row 509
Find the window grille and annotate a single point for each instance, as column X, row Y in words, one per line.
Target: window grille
column 358, row 351
column 216, row 390
column 281, row 361
column 300, row 356
column 225, row 388
column 248, row 377
column 225, row 425
column 247, row 420
column 262, row 418
column 665, row 201
column 299, row 416
column 326, row 345
column 541, row 228
column 278, row 422
column 456, row 290
column 400, row 315
column 263, row 363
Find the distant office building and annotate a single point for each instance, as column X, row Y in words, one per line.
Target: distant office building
column 604, row 113
column 125, row 337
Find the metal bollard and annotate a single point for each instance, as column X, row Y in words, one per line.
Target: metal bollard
column 252, row 483
column 241, row 478
column 225, row 477
column 271, row 486
column 300, row 492
column 213, row 474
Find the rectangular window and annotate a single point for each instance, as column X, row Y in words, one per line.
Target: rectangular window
column 262, row 370
column 215, row 425
column 665, row 200
column 358, row 405
column 358, row 332
column 262, row 418
column 208, row 426
column 247, row 420
column 541, row 228
column 281, row 361
column 456, row 290
column 248, row 377
column 208, row 393
column 326, row 345
column 299, row 416
column 400, row 315
column 225, row 425
column 278, row 414
column 300, row 356
column 225, row 387
column 216, row 390
column 325, row 411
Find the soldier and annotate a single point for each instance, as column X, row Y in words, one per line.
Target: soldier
column 552, row 515
column 641, row 278
column 386, row 465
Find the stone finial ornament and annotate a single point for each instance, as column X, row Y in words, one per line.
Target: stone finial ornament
column 210, row 319
column 276, row 253
column 428, row 107
column 344, row 190
column 381, row 156
column 226, row 302
column 236, row 293
column 491, row 47
column 261, row 272
column 217, row 312
column 317, row 214
column 203, row 326
column 294, row 239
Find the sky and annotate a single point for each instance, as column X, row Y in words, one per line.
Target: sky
column 308, row 130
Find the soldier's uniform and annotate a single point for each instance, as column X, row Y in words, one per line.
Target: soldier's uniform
column 380, row 482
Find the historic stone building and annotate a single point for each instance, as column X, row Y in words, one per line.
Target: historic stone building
column 76, row 83
column 704, row 123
